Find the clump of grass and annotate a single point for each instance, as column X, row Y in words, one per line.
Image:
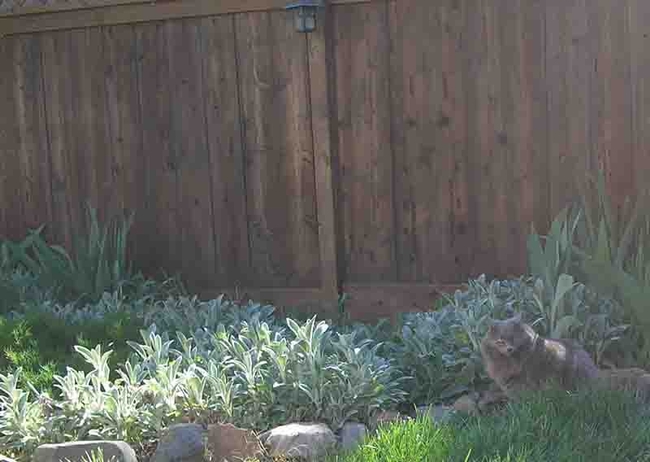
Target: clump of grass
column 413, row 440
column 588, row 426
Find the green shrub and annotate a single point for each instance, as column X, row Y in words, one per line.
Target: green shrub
column 253, row 374
column 562, row 427
column 605, row 249
column 42, row 344
column 98, row 262
column 440, row 350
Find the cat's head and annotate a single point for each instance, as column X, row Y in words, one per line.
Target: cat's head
column 510, row 335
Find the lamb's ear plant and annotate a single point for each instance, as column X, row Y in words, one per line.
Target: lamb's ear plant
column 96, row 455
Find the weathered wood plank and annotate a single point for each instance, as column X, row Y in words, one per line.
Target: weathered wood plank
column 429, row 140
column 190, row 146
column 33, row 153
column 224, row 138
column 639, row 19
column 515, row 162
column 279, row 151
column 90, row 125
column 486, row 138
column 124, row 181
column 60, row 87
column 364, row 141
column 10, row 187
column 70, row 15
column 6, row 116
column 160, row 158
column 532, row 196
column 614, row 127
column 419, row 156
column 321, row 90
column 370, row 302
column 221, row 7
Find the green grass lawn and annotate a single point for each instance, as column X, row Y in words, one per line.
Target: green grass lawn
column 589, row 427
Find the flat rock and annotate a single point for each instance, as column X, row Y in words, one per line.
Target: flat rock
column 181, row 443
column 228, row 443
column 352, row 434
column 77, row 451
column 305, row 440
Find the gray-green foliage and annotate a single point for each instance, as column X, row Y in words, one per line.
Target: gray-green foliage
column 603, row 247
column 97, row 263
column 256, row 373
column 441, row 349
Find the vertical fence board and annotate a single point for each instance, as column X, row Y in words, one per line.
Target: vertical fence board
column 428, row 116
column 639, row 17
column 320, row 85
column 226, row 154
column 484, row 128
column 123, row 182
column 614, row 127
column 519, row 37
column 363, row 97
column 532, row 196
column 11, row 214
column 94, row 167
column 279, row 153
column 161, row 163
column 57, row 62
column 32, row 131
column 6, row 116
column 191, row 153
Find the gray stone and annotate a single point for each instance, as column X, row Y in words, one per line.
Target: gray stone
column 181, row 443
column 352, row 434
column 306, row 440
column 229, row 443
column 77, row 451
column 437, row 414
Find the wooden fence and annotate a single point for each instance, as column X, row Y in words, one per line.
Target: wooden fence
column 403, row 146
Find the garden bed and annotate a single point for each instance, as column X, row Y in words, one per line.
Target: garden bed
column 91, row 349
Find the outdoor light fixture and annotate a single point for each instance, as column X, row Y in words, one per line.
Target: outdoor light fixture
column 305, row 14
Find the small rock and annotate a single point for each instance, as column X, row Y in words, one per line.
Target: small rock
column 227, row 442
column 305, row 440
column 467, row 404
column 352, row 434
column 6, row 459
column 79, row 450
column 437, row 414
column 181, row 443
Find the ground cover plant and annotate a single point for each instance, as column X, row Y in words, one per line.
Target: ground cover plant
column 587, row 426
column 603, row 247
column 117, row 355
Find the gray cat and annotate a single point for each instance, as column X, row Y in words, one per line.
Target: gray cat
column 518, row 359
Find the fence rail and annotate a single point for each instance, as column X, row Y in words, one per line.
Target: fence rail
column 402, row 147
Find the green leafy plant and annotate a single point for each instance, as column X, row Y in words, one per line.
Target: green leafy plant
column 98, row 262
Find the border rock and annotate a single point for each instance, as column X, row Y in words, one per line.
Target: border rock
column 79, row 450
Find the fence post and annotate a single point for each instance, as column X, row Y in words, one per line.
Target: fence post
column 318, row 55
